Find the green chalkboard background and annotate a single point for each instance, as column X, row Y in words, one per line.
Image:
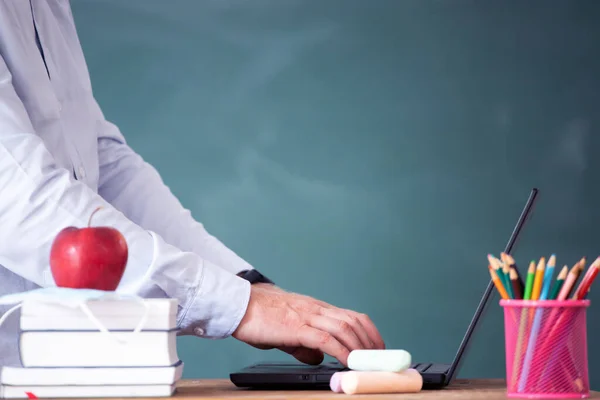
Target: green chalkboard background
column 388, row 145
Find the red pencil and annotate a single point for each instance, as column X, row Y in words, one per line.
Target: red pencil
column 588, row 279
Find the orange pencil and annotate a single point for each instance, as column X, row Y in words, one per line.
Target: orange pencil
column 498, row 283
column 497, row 266
column 539, row 279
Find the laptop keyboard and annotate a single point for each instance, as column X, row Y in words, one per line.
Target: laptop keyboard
column 421, row 367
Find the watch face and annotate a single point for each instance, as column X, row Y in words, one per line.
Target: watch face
column 253, row 276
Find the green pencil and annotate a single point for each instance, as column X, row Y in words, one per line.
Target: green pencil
column 529, row 281
column 559, row 282
column 507, row 258
column 504, row 278
column 509, row 287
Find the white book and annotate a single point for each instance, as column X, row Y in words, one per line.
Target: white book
column 118, row 314
column 63, row 392
column 97, row 349
column 49, row 376
column 112, row 323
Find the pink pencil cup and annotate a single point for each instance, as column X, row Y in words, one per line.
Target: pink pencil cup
column 546, row 348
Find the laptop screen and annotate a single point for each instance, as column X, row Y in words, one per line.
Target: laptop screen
column 460, row 354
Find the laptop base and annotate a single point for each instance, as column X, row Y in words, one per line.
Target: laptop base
column 296, row 376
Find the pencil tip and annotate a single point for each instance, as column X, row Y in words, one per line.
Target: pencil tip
column 563, row 273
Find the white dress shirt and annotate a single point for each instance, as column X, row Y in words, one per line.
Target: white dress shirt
column 60, row 159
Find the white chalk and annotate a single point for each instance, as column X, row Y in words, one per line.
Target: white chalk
column 379, row 360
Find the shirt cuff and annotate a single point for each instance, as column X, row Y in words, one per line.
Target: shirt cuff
column 225, row 295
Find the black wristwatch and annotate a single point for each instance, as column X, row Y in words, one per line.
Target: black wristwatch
column 253, row 276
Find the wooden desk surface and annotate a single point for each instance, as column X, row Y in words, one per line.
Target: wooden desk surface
column 489, row 389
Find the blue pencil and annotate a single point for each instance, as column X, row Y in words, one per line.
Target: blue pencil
column 536, row 323
column 548, row 277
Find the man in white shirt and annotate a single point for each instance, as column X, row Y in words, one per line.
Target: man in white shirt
column 60, row 159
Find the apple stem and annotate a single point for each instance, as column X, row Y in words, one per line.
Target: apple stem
column 94, row 212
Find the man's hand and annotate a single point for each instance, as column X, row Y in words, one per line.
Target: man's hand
column 304, row 327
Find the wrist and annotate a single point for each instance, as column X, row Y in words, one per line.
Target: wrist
column 218, row 305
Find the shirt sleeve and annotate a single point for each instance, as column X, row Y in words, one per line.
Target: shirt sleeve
column 136, row 188
column 39, row 198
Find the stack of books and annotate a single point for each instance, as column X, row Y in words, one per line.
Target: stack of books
column 65, row 355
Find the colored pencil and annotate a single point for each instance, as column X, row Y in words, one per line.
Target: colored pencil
column 509, row 288
column 560, row 279
column 519, row 350
column 535, row 328
column 588, row 279
column 545, row 295
column 539, row 278
column 514, row 280
column 518, row 289
column 555, row 322
column 497, row 266
column 547, row 282
column 572, row 277
column 511, row 263
column 498, row 283
column 503, row 277
column 553, row 341
column 529, row 282
column 563, row 294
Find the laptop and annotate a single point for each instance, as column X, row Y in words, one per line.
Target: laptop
column 298, row 376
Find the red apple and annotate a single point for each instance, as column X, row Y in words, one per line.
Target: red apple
column 93, row 257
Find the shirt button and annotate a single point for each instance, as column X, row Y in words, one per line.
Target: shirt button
column 81, row 171
column 198, row 331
